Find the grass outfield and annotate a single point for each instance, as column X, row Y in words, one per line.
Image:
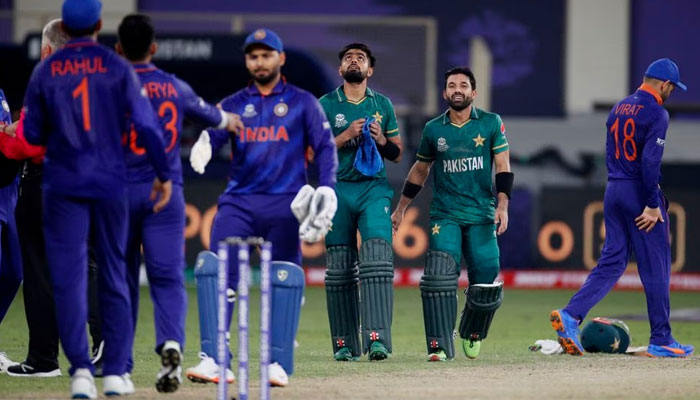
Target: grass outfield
column 505, row 368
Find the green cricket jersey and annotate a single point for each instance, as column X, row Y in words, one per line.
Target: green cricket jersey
column 341, row 112
column 463, row 156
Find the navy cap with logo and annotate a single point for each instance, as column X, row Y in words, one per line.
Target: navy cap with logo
column 665, row 70
column 81, row 14
column 263, row 37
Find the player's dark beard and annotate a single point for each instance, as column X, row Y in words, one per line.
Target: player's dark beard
column 461, row 105
column 265, row 79
column 355, row 76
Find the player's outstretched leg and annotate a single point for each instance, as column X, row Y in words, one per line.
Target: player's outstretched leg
column 481, row 304
column 438, row 287
column 568, row 331
column 342, row 299
column 206, row 272
column 376, row 265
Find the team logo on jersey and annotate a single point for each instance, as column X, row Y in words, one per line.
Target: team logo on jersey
column 340, row 120
column 281, row 110
column 249, row 111
column 659, row 141
column 503, row 128
column 442, row 144
column 282, row 275
column 260, row 34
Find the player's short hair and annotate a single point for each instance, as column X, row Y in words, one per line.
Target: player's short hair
column 53, row 35
column 76, row 33
column 136, row 34
column 358, row 46
column 463, row 71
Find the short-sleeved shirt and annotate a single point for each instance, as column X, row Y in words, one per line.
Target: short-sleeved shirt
column 341, row 112
column 463, row 156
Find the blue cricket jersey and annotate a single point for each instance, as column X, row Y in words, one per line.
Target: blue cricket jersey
column 77, row 104
column 269, row 156
column 173, row 100
column 635, row 142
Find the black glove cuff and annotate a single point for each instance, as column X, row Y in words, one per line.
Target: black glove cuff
column 504, row 183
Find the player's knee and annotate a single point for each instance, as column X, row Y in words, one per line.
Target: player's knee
column 440, row 274
column 376, row 253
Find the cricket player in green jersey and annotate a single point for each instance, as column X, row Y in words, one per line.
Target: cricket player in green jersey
column 462, row 143
column 364, row 204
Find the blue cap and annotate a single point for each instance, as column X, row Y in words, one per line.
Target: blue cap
column 664, row 69
column 81, row 14
column 264, row 37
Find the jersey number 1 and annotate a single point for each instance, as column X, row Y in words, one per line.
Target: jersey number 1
column 628, row 131
column 82, row 91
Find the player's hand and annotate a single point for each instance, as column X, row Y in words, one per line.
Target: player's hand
column 235, row 124
column 301, row 203
column 355, row 128
column 396, row 218
column 501, row 216
column 648, row 219
column 9, row 129
column 376, row 131
column 201, row 153
column 165, row 189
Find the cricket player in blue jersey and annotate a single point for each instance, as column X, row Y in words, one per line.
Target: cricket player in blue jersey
column 636, row 217
column 75, row 105
column 10, row 253
column 161, row 234
column 268, row 176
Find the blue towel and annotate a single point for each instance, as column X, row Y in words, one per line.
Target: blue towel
column 367, row 159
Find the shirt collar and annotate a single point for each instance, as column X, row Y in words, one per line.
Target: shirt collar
column 143, row 67
column 650, row 89
column 446, row 116
column 343, row 98
column 81, row 41
column 279, row 88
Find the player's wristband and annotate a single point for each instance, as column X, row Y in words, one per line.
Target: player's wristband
column 504, row 183
column 410, row 189
column 390, row 150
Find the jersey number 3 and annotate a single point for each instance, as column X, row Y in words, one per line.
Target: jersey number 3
column 628, row 142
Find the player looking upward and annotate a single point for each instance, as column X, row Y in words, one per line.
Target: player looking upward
column 364, row 202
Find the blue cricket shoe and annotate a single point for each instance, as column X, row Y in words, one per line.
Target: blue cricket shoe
column 674, row 349
column 568, row 332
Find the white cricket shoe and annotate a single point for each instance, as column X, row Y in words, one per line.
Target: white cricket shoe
column 82, row 385
column 207, row 371
column 277, row 375
column 169, row 377
column 5, row 362
column 117, row 385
